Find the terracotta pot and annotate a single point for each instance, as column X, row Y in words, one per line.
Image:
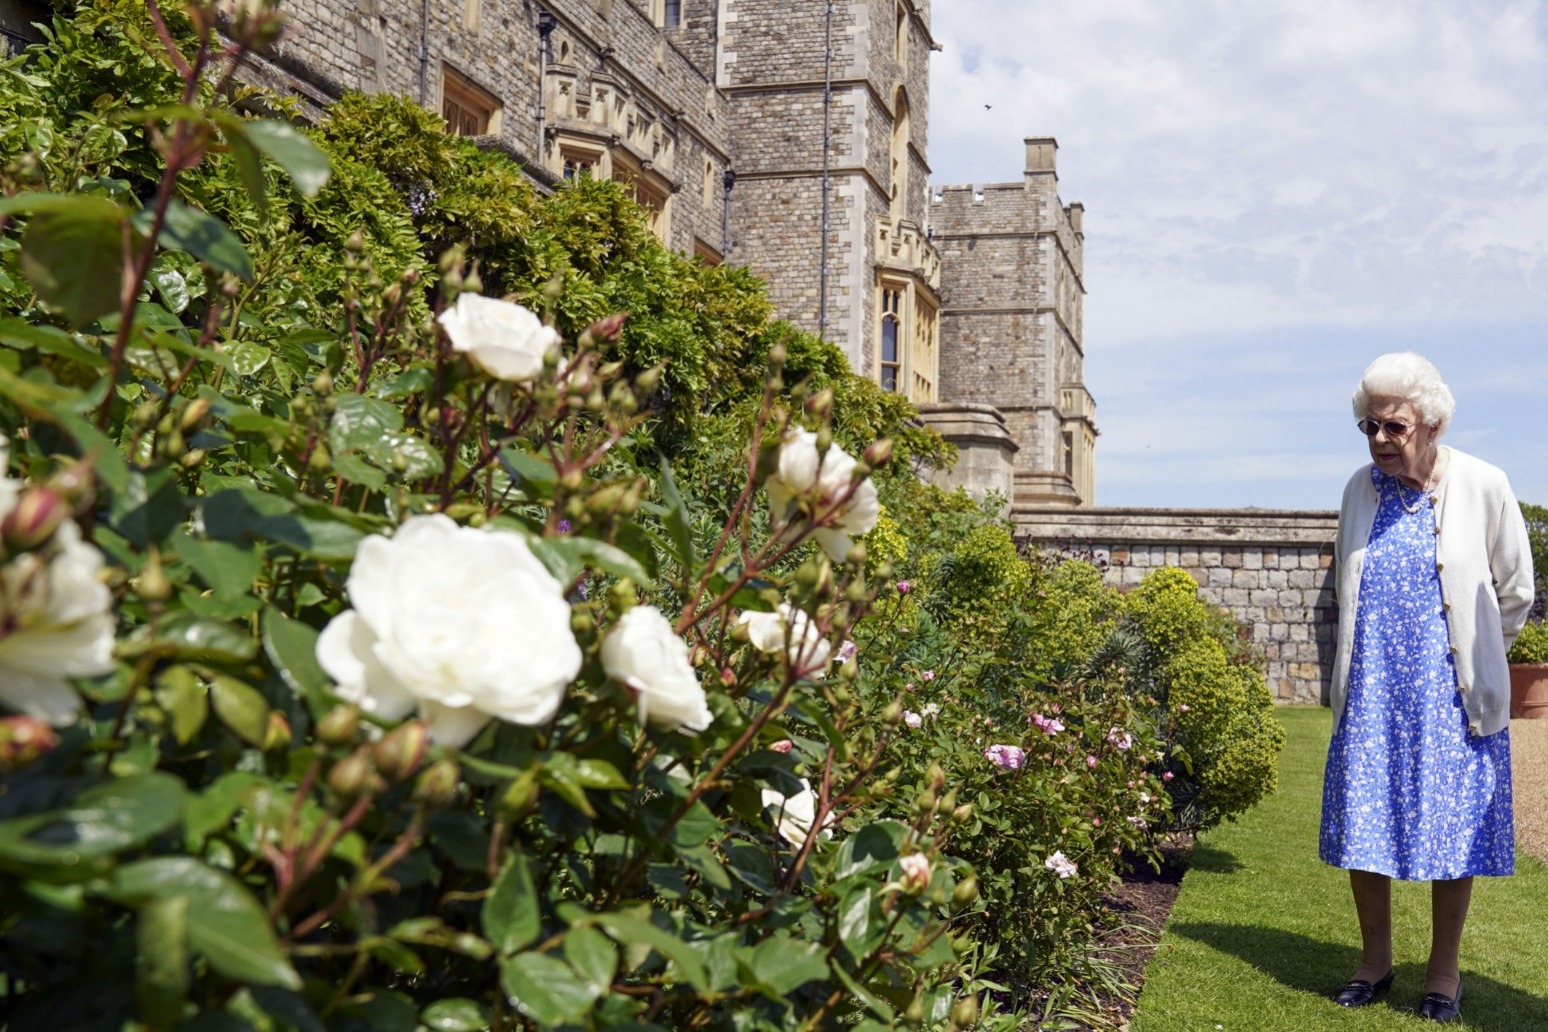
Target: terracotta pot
column 1528, row 690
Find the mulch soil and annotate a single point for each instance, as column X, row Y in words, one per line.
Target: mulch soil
column 1142, row 902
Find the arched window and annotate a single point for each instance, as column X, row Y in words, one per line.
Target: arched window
column 900, row 135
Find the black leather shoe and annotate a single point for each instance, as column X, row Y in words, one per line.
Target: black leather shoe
column 1360, row 993
column 1442, row 1008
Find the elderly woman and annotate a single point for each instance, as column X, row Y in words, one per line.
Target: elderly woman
column 1434, row 580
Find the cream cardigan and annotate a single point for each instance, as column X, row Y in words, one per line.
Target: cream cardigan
column 1485, row 566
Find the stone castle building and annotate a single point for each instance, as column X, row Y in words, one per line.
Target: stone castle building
column 789, row 136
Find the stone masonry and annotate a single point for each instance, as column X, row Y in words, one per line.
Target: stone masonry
column 1012, row 322
column 1271, row 570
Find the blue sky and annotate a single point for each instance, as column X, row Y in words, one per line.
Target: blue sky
column 1275, row 194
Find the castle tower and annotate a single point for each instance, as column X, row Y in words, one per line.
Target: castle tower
column 1012, row 323
column 829, row 112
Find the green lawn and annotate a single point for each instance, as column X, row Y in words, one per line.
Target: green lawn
column 1263, row 931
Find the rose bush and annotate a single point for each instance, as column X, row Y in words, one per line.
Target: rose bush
column 440, row 663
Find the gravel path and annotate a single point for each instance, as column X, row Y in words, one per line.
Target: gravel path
column 1529, row 775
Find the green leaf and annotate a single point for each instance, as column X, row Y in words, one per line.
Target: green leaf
column 225, row 923
column 249, row 165
column 454, row 1015
column 227, row 567
column 855, row 922
column 877, row 844
column 534, row 476
column 432, row 931
column 248, row 358
column 73, row 257
column 679, row 524
column 171, row 286
column 783, row 964
column 593, row 956
column 240, row 707
column 288, row 148
column 356, row 470
column 105, row 819
column 292, row 647
column 161, row 961
column 201, row 235
column 546, row 990
column 416, row 380
column 189, row 636
column 627, row 930
column 211, row 810
column 408, row 456
column 568, row 556
column 49, row 340
column 360, row 422
column 511, row 915
column 288, row 1006
column 246, row 513
column 185, row 700
column 149, row 508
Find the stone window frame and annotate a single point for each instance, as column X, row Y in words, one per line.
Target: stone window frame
column 648, row 188
column 666, row 14
column 467, row 108
column 902, row 132
column 914, row 371
column 900, row 41
column 891, row 369
column 707, row 253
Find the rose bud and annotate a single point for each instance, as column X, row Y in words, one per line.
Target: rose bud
column 966, row 891
column 965, row 1013
column 38, row 513
column 727, row 677
column 400, row 752
column 609, row 328
column 916, row 872
column 438, row 783
column 194, row 413
column 276, row 734
column 23, row 740
column 354, row 775
column 820, row 405
column 879, row 453
column 784, row 745
column 339, row 726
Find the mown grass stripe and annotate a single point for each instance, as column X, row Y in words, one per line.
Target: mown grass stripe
column 1263, row 932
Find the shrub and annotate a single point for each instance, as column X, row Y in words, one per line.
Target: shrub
column 1213, row 709
column 1531, row 645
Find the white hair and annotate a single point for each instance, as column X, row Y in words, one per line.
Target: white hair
column 1408, row 377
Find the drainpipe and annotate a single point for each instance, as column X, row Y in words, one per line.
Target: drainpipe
column 827, row 153
column 546, row 23
column 424, row 51
column 727, row 181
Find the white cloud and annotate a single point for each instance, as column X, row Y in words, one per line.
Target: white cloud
column 1270, row 184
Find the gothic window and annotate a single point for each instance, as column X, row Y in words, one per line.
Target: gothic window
column 892, row 338
column 901, row 45
column 1069, row 454
column 900, row 134
column 705, row 253
column 923, row 361
column 577, row 164
column 646, row 192
column 469, row 109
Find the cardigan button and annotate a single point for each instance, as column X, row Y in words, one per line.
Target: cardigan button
column 1439, row 567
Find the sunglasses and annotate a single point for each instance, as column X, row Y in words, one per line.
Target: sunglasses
column 1393, row 427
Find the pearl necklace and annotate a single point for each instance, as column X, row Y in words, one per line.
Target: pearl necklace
column 1424, row 492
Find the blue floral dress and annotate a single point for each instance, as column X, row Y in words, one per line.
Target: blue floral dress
column 1408, row 791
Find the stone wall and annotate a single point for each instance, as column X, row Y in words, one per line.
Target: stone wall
column 1272, row 570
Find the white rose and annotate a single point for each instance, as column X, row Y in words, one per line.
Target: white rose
column 645, row 653
column 848, row 508
column 791, row 632
column 913, row 719
column 463, row 625
column 916, row 871
column 59, row 623
column 502, row 338
column 793, row 815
